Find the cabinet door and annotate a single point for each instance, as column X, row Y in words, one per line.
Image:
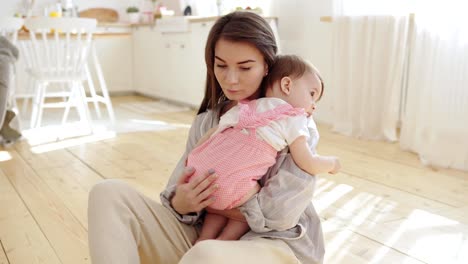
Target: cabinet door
column 147, row 56
column 115, row 57
column 177, row 49
column 196, row 62
column 171, row 65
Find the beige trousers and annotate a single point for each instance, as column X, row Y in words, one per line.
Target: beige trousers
column 125, row 226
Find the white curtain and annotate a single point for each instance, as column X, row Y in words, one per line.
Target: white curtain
column 367, row 74
column 435, row 120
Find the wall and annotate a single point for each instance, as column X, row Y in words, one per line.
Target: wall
column 302, row 33
column 10, row 7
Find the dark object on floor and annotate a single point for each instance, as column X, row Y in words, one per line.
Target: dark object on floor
column 8, row 134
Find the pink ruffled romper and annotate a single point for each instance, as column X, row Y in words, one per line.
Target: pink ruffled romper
column 239, row 159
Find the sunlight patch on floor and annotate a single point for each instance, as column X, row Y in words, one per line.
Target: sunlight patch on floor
column 5, row 155
column 160, row 123
column 72, row 142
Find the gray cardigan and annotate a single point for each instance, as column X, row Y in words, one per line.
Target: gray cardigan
column 281, row 210
column 8, row 56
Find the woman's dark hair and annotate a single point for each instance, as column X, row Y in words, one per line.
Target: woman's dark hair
column 239, row 26
column 294, row 67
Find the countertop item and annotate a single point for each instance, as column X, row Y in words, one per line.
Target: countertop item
column 103, row 15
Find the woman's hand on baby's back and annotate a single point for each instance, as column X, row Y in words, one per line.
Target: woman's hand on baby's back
column 195, row 195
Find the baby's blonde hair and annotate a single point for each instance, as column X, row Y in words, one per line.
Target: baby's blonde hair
column 292, row 66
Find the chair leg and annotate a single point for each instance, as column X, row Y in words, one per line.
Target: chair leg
column 71, row 100
column 43, row 91
column 92, row 90
column 108, row 103
column 12, row 92
column 63, row 87
column 83, row 105
column 11, row 99
column 102, row 83
column 35, row 103
column 30, row 85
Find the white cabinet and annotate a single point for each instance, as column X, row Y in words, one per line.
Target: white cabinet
column 197, row 61
column 171, row 65
column 174, row 77
column 147, row 57
column 115, row 56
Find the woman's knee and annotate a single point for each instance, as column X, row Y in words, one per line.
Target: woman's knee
column 106, row 193
column 203, row 252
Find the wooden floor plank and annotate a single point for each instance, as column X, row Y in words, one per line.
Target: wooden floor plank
column 394, row 218
column 345, row 246
column 72, row 185
column 142, row 154
column 66, row 234
column 71, row 180
column 46, row 160
column 389, row 151
column 21, row 238
column 380, row 149
column 343, row 195
column 3, row 257
column 424, row 236
column 459, row 214
column 419, row 181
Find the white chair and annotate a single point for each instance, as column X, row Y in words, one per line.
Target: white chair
column 57, row 53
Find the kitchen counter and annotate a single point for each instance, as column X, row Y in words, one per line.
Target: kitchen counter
column 97, row 35
column 192, row 19
column 213, row 18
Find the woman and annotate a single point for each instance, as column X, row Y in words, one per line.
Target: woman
column 127, row 227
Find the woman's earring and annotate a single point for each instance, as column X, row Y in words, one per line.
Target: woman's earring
column 222, row 98
column 266, row 73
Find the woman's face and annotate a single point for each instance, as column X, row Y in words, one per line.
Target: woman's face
column 239, row 68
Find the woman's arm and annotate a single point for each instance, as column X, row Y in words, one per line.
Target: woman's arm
column 312, row 163
column 186, row 200
column 206, row 136
column 286, row 193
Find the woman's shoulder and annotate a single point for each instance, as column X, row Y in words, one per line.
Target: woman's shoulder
column 269, row 103
column 207, row 119
column 271, row 100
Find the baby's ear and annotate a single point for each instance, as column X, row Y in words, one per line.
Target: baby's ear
column 285, row 85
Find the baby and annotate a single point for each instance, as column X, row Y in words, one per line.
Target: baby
column 246, row 142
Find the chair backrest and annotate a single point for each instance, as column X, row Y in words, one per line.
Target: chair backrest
column 9, row 27
column 58, row 47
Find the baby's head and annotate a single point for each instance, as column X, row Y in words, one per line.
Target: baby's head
column 296, row 81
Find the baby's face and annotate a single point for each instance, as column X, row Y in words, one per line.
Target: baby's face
column 305, row 92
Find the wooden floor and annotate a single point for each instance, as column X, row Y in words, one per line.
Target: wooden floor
column 384, row 207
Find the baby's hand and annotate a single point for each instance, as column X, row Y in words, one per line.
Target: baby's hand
column 337, row 166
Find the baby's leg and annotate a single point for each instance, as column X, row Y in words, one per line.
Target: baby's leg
column 231, row 229
column 212, row 226
column 234, row 230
